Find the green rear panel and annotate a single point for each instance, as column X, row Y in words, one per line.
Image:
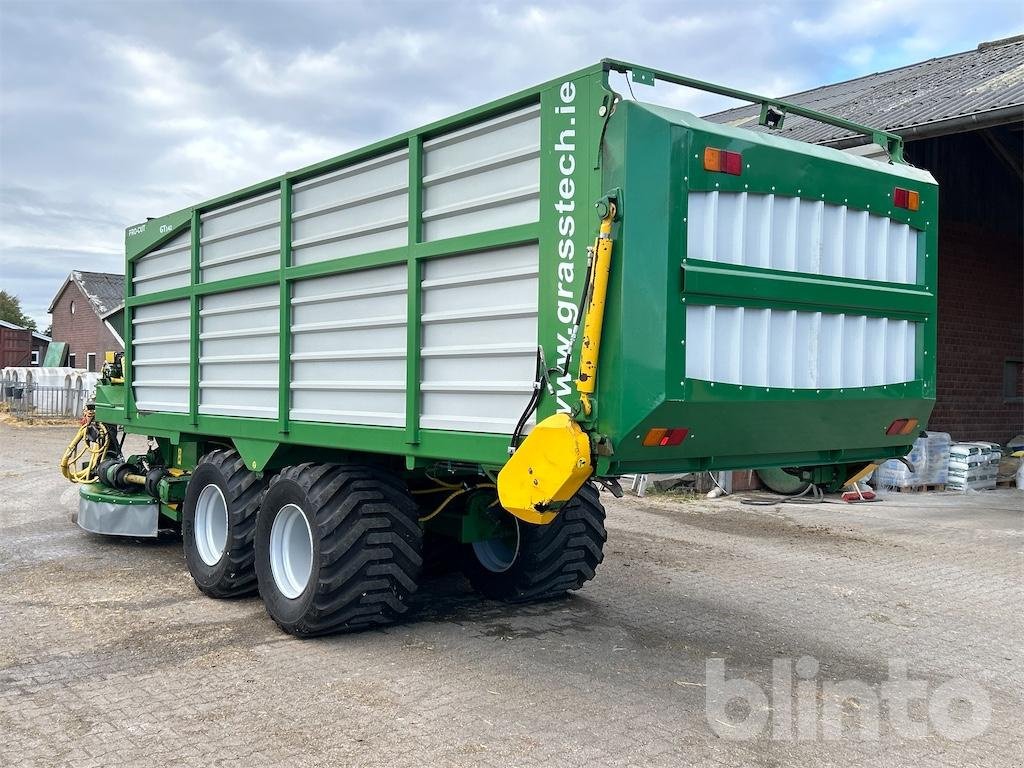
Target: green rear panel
column 651, row 157
column 655, row 156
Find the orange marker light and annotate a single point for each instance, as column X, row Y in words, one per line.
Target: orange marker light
column 906, row 198
column 712, row 159
column 902, row 427
column 723, row 161
column 661, row 436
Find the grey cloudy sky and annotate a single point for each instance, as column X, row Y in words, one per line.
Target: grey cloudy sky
column 114, row 111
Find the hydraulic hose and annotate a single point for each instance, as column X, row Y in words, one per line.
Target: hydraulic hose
column 96, row 449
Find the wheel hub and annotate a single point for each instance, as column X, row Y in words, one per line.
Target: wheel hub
column 211, row 526
column 291, row 551
column 499, row 553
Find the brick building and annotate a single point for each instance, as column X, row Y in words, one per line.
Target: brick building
column 81, row 311
column 962, row 117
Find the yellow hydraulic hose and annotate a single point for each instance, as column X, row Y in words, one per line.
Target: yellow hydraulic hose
column 72, row 456
column 594, row 321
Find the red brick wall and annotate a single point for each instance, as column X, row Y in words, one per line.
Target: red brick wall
column 981, row 325
column 83, row 331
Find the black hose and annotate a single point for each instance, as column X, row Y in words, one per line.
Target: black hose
column 530, row 406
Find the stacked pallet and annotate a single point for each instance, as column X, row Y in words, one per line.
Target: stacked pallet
column 973, row 466
column 930, row 460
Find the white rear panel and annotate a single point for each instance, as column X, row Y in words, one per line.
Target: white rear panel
column 359, row 209
column 241, row 239
column 796, row 235
column 798, row 350
column 170, row 266
column 483, row 177
column 160, row 356
column 348, row 347
column 238, row 346
column 479, row 339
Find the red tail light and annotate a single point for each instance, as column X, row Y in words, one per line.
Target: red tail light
column 906, row 198
column 662, row 436
column 723, row 161
column 902, row 427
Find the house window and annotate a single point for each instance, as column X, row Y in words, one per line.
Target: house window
column 35, row 357
column 1013, row 381
column 72, row 307
column 71, row 360
column 91, row 362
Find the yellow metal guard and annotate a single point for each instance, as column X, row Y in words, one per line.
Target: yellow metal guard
column 554, row 460
column 549, row 467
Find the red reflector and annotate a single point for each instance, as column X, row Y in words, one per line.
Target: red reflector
column 897, row 427
column 732, row 163
column 906, row 198
column 723, row 161
column 661, row 436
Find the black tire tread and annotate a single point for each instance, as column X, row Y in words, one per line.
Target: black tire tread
column 556, row 558
column 244, row 493
column 370, row 546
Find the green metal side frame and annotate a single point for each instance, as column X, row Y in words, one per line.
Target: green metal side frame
column 258, row 440
column 582, row 171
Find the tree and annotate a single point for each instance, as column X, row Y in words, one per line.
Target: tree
column 10, row 310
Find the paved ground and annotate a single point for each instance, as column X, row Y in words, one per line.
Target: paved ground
column 110, row 656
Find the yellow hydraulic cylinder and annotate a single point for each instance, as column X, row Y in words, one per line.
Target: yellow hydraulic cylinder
column 594, row 320
column 554, row 460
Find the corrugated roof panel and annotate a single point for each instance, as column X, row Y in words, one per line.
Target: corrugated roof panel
column 991, row 77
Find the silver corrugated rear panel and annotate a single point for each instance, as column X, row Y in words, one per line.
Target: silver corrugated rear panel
column 483, row 177
column 359, row 209
column 160, row 356
column 797, row 235
column 349, row 347
column 170, row 266
column 241, row 239
column 479, row 339
column 238, row 352
column 798, row 350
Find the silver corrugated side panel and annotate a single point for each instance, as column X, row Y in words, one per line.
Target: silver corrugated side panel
column 239, row 333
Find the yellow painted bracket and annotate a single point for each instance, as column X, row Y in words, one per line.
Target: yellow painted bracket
column 548, row 468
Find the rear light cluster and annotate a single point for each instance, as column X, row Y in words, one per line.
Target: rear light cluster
column 662, row 436
column 723, row 161
column 906, row 198
column 902, row 427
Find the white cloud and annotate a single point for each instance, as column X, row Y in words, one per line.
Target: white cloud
column 855, row 18
column 110, row 117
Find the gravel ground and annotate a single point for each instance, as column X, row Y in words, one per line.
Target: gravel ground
column 110, row 656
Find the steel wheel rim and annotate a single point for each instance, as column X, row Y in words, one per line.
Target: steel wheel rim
column 291, row 551
column 211, row 527
column 499, row 554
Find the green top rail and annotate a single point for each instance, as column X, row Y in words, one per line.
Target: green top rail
column 773, row 111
